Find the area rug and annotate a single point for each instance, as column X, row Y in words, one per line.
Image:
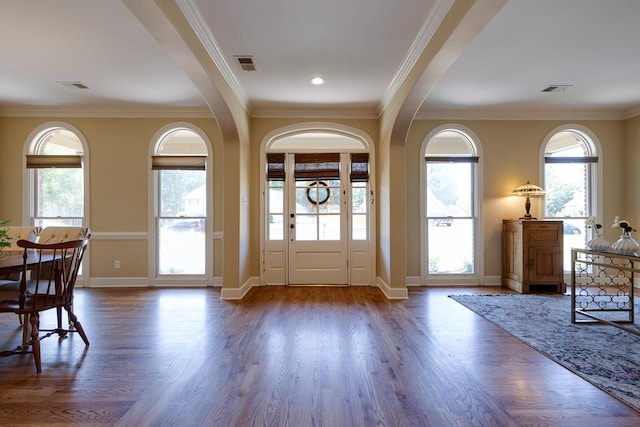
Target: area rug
column 604, row 355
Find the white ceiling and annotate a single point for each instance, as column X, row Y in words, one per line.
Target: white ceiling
column 362, row 47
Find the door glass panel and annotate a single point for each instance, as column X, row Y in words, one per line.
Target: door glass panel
column 306, row 227
column 276, row 227
column 276, row 210
column 329, row 227
column 359, row 206
column 304, row 194
column 317, row 210
column 276, row 198
column 330, row 203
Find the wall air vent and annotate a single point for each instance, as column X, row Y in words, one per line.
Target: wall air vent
column 74, row 85
column 246, row 63
column 556, row 88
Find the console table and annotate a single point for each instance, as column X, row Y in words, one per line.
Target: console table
column 532, row 255
column 602, row 287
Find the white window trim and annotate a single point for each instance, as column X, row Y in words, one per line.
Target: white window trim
column 206, row 279
column 27, row 187
column 477, row 278
column 596, row 176
column 597, row 179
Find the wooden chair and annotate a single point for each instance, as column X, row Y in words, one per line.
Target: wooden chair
column 15, row 233
column 53, row 269
column 63, row 233
column 55, row 234
column 9, row 284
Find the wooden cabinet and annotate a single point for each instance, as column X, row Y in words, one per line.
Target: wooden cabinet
column 532, row 255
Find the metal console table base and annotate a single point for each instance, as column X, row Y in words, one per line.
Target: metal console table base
column 602, row 288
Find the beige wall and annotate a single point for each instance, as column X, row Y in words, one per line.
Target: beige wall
column 511, row 156
column 118, row 183
column 119, row 171
column 630, row 188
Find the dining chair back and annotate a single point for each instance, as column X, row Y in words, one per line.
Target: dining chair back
column 15, row 233
column 48, row 280
column 21, row 232
column 55, row 234
column 9, row 282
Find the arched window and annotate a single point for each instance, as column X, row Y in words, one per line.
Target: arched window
column 179, row 162
column 450, row 237
column 56, row 161
column 570, row 183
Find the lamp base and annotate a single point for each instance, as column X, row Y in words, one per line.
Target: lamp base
column 527, row 207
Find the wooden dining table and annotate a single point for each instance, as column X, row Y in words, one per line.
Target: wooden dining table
column 12, row 262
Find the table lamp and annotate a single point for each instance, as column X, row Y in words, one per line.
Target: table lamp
column 528, row 190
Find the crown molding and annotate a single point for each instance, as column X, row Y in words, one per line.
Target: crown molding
column 428, row 29
column 329, row 113
column 315, row 112
column 106, row 113
column 632, row 112
column 194, row 17
column 547, row 114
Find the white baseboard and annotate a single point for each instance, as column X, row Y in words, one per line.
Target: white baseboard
column 456, row 281
column 235, row 294
column 144, row 282
column 392, row 293
column 115, row 282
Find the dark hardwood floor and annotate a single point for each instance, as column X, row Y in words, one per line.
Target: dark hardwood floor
column 296, row 356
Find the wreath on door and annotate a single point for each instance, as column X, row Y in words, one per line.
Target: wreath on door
column 318, row 193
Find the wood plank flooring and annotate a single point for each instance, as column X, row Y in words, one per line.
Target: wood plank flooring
column 291, row 356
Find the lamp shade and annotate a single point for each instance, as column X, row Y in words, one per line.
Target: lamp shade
column 528, row 189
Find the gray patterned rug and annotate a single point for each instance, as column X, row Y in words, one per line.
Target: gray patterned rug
column 604, row 355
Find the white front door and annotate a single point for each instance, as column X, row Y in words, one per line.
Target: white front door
column 318, row 220
column 317, row 231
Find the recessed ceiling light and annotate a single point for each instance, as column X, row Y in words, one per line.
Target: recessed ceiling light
column 317, row 80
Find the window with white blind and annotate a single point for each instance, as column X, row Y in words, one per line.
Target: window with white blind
column 570, row 176
column 179, row 165
column 56, row 166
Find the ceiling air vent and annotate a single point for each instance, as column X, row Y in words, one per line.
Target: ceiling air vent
column 246, row 63
column 556, row 88
column 74, row 85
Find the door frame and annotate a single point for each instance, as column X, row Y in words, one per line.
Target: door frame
column 359, row 141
